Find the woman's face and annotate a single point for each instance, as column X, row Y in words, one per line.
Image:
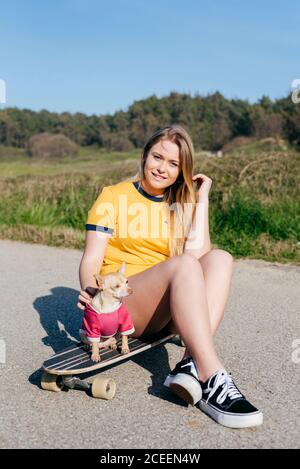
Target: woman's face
column 162, row 167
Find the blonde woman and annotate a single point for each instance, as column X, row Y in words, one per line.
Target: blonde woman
column 158, row 224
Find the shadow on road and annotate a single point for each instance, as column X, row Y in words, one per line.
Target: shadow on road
column 61, row 320
column 156, row 361
column 60, row 317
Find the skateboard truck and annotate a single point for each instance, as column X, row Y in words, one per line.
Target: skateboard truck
column 72, row 382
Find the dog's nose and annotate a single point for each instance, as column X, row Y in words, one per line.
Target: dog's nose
column 129, row 289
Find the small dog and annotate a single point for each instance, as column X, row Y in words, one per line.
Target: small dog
column 106, row 314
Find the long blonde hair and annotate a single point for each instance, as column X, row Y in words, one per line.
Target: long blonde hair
column 181, row 192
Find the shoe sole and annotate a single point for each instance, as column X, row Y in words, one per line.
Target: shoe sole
column 232, row 420
column 186, row 387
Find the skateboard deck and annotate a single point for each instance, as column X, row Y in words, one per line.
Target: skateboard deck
column 58, row 370
column 76, row 360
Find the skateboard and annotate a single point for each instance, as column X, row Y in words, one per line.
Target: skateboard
column 60, row 370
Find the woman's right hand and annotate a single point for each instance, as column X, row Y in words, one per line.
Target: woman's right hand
column 85, row 297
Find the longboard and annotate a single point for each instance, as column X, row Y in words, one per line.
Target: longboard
column 59, row 370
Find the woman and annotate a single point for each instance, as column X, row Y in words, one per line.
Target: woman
column 179, row 284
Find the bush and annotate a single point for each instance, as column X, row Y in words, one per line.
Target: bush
column 46, row 145
column 237, row 142
column 120, row 142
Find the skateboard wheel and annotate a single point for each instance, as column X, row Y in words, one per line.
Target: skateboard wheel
column 103, row 388
column 51, row 382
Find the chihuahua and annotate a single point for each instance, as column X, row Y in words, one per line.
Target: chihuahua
column 106, row 314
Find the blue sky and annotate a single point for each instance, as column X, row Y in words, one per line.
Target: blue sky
column 98, row 57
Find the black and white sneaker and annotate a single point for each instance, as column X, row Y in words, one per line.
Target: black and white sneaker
column 222, row 400
column 184, row 381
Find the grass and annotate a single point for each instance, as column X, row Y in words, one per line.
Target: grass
column 15, row 162
column 254, row 208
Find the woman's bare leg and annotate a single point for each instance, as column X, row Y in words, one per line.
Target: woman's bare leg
column 175, row 289
column 217, row 266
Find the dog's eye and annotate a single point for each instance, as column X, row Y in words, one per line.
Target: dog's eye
column 117, row 286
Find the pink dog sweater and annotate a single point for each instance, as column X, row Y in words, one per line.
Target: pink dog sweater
column 96, row 325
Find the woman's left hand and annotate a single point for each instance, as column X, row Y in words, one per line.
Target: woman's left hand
column 203, row 186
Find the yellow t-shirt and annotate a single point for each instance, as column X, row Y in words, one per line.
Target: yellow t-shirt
column 138, row 224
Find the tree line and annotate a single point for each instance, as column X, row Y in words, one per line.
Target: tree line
column 211, row 120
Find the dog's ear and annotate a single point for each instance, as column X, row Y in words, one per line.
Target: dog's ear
column 99, row 281
column 122, row 268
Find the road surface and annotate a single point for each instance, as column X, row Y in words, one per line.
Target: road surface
column 259, row 342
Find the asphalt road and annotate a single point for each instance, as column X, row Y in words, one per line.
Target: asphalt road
column 257, row 341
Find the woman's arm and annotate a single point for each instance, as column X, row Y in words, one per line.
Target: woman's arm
column 91, row 262
column 86, row 273
column 198, row 241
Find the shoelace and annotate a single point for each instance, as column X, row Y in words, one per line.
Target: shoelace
column 229, row 388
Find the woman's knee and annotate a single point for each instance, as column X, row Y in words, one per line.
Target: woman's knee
column 187, row 264
column 220, row 256
column 223, row 256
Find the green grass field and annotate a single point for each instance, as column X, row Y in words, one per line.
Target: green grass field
column 254, row 202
